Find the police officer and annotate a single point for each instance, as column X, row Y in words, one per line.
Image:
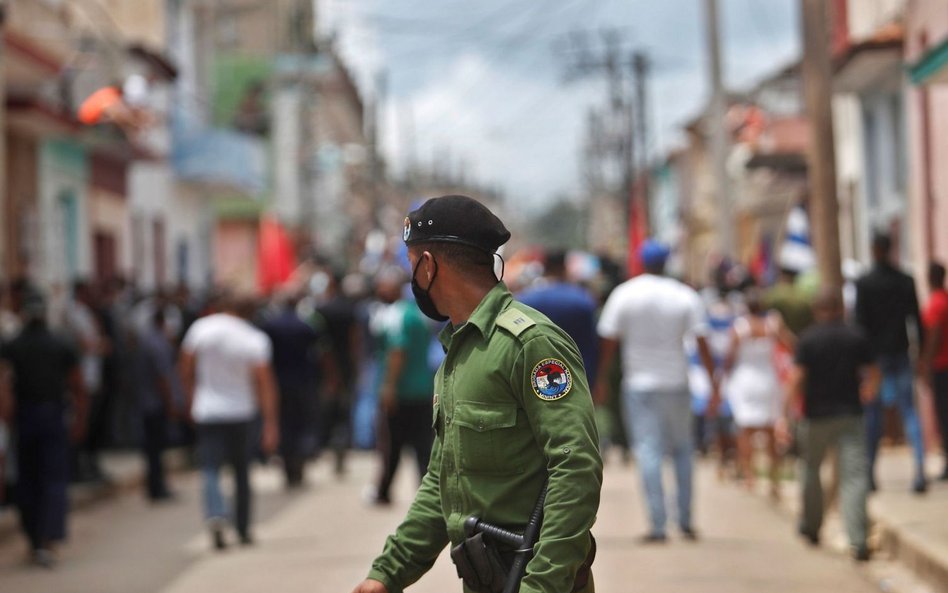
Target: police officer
column 503, row 427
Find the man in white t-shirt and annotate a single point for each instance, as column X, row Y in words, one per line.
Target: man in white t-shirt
column 225, row 366
column 652, row 316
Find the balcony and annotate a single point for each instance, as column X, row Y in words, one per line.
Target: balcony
column 219, row 160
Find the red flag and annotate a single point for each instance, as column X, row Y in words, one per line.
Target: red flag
column 638, row 231
column 276, row 258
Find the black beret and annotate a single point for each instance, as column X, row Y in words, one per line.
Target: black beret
column 455, row 219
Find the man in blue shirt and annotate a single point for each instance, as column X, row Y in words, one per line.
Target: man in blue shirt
column 299, row 365
column 568, row 306
column 160, row 396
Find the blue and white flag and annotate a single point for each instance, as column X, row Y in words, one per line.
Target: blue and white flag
column 796, row 253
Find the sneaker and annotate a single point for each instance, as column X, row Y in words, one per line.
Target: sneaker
column 163, row 498
column 43, row 558
column 217, row 536
column 370, row 496
column 339, row 468
column 247, row 540
column 861, row 553
column 812, row 539
column 920, row 486
column 689, row 534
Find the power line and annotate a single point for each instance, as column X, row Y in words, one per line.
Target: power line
column 521, row 38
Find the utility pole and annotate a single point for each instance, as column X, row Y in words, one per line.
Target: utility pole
column 719, row 140
column 640, row 68
column 375, row 148
column 817, row 87
column 6, row 259
column 407, row 136
column 619, row 115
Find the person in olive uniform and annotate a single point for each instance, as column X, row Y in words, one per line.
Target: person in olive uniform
column 503, row 426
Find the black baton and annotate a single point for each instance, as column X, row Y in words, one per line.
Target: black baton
column 522, row 544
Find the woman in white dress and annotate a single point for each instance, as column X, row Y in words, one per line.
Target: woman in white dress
column 753, row 388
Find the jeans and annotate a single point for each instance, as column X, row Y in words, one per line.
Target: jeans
column 230, row 443
column 897, row 390
column 816, row 436
column 661, row 424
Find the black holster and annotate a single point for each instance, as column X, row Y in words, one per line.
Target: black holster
column 585, row 569
column 480, row 565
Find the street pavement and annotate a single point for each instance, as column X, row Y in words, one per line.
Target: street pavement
column 323, row 538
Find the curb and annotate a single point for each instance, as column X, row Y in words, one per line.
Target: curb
column 918, row 555
column 915, row 553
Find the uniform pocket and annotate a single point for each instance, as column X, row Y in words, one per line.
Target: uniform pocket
column 486, row 432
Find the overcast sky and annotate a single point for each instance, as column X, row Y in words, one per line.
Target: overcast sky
column 483, row 82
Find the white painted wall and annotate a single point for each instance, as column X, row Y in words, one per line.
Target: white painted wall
column 866, row 16
column 155, row 195
column 192, row 224
column 287, row 137
column 850, row 175
column 150, row 195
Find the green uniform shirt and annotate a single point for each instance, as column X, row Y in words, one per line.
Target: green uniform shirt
column 511, row 408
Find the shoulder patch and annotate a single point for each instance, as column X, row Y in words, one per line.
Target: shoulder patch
column 514, row 321
column 551, row 379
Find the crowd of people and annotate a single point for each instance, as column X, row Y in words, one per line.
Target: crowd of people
column 348, row 360
column 225, row 376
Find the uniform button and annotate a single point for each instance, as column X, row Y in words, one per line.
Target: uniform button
column 448, row 420
column 567, row 450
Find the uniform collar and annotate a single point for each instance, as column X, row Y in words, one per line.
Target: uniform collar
column 484, row 316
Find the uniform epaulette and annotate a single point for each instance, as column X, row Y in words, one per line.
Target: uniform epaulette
column 514, row 321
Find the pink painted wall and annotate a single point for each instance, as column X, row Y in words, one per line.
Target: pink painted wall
column 926, row 28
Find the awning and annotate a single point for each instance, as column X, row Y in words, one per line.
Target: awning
column 28, row 63
column 870, row 65
column 932, row 68
column 34, row 118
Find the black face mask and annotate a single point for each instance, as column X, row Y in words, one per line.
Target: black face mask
column 423, row 297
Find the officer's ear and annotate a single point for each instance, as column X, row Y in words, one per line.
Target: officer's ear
column 431, row 266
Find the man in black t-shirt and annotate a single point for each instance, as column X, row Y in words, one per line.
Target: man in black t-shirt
column 835, row 375
column 341, row 318
column 887, row 310
column 39, row 368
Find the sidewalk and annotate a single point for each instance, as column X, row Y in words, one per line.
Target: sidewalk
column 909, row 532
column 912, row 528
